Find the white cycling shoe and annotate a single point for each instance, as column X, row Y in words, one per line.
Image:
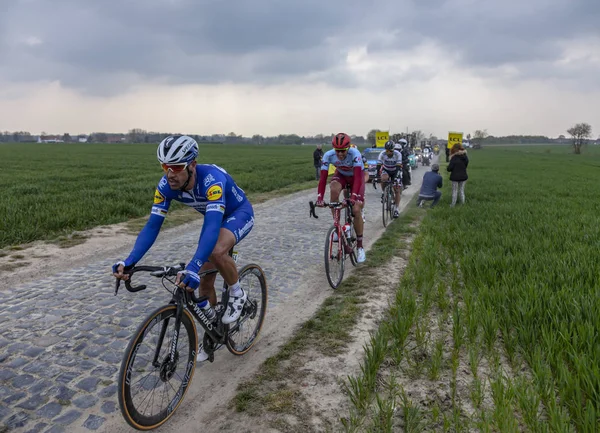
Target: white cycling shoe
column 361, row 256
column 202, row 355
column 234, row 308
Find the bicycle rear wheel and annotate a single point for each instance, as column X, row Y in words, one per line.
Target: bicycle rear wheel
column 243, row 333
column 151, row 391
column 334, row 260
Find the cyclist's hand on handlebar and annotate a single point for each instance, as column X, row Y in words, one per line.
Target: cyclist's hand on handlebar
column 355, row 199
column 319, row 202
column 118, row 271
column 188, row 280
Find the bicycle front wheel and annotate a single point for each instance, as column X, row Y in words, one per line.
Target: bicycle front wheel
column 243, row 333
column 384, row 204
column 152, row 384
column 391, row 200
column 334, row 259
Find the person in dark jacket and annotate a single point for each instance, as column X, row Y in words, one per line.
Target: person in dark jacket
column 458, row 172
column 431, row 182
column 317, row 156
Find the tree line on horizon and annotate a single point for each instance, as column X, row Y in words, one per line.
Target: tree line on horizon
column 580, row 135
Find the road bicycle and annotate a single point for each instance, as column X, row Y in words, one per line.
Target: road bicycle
column 388, row 199
column 159, row 362
column 341, row 240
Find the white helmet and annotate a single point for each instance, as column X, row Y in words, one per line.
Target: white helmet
column 402, row 141
column 177, row 149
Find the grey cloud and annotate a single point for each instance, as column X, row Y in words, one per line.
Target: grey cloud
column 105, row 46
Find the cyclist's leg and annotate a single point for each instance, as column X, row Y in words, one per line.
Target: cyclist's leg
column 397, row 188
column 235, row 228
column 207, row 283
column 358, row 222
column 384, row 176
column 337, row 183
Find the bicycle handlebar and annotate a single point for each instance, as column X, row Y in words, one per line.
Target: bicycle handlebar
column 155, row 271
column 332, row 205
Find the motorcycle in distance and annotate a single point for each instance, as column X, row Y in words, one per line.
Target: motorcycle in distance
column 436, row 149
column 426, row 158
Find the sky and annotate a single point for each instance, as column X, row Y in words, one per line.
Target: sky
column 299, row 66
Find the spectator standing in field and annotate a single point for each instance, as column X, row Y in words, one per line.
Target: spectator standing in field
column 458, row 172
column 432, row 180
column 317, row 157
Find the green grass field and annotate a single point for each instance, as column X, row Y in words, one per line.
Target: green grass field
column 53, row 189
column 500, row 305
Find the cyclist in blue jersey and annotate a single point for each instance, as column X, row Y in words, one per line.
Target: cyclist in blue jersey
column 228, row 218
column 349, row 170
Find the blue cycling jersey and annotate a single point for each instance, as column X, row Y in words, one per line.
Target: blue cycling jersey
column 215, row 195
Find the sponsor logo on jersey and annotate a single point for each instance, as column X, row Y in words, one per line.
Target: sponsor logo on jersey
column 158, row 197
column 215, row 207
column 215, row 192
column 238, row 197
column 159, row 211
column 208, row 179
column 241, row 232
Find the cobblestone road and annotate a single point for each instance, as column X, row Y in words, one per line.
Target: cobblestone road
column 62, row 337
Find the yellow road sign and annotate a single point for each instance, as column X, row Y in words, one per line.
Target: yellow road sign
column 381, row 137
column 453, row 138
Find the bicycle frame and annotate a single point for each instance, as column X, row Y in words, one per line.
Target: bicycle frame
column 337, row 208
column 215, row 331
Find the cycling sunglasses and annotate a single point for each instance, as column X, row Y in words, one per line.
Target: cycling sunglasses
column 175, row 168
column 341, row 150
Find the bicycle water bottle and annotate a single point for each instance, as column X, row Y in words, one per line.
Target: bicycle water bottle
column 209, row 312
column 347, row 231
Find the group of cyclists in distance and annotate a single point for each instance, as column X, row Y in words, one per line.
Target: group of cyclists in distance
column 229, row 216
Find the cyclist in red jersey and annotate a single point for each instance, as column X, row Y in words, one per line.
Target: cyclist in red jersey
column 349, row 170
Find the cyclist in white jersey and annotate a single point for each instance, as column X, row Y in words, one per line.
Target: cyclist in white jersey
column 389, row 167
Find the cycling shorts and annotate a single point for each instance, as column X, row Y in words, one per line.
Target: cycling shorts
column 240, row 222
column 348, row 180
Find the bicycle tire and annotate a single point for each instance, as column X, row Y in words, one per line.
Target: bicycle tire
column 383, row 206
column 354, row 245
column 391, row 200
column 129, row 408
column 250, row 308
column 331, row 247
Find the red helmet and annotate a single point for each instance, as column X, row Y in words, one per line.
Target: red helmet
column 341, row 141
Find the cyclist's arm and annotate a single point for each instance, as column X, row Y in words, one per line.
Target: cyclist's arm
column 358, row 180
column 208, row 235
column 148, row 234
column 323, row 179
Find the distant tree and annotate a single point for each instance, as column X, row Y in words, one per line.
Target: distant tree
column 258, row 139
column 579, row 133
column 66, row 137
column 137, row 135
column 478, row 137
column 371, row 136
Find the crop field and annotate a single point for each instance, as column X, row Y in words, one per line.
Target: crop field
column 496, row 320
column 52, row 189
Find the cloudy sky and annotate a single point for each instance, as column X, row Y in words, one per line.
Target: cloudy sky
column 299, row 66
